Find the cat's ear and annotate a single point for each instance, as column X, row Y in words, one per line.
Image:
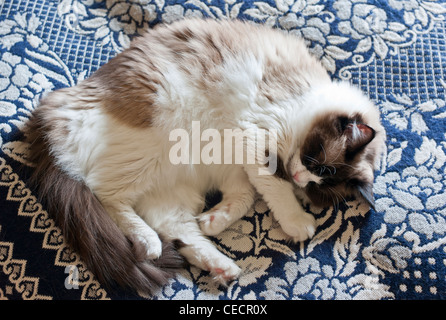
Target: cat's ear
column 358, row 136
column 366, row 192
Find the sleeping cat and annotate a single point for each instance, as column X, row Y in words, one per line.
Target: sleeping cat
column 103, row 148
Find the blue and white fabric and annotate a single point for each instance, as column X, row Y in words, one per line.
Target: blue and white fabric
column 394, row 50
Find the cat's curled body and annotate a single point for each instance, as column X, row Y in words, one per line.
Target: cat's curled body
column 102, row 147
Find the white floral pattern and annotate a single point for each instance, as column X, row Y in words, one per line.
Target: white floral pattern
column 394, row 50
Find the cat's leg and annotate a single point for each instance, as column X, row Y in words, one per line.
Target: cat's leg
column 201, row 252
column 133, row 226
column 238, row 198
column 175, row 221
column 279, row 195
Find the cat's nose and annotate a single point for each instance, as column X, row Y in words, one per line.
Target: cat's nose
column 296, row 177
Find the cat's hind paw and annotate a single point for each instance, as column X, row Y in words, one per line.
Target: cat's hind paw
column 225, row 273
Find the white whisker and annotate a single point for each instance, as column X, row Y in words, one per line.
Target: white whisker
column 337, row 193
column 325, row 154
column 311, row 159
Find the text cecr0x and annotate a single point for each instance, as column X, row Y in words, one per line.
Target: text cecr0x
column 244, row 309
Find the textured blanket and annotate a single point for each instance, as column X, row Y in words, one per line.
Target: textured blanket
column 394, row 50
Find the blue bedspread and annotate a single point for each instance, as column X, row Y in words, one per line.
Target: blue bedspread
column 394, row 50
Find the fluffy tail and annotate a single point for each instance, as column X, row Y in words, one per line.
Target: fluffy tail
column 88, row 229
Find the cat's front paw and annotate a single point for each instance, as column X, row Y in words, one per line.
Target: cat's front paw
column 299, row 227
column 214, row 221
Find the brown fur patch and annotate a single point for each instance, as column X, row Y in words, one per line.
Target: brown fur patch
column 127, row 86
column 198, row 51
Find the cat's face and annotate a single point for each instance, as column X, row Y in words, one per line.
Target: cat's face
column 335, row 160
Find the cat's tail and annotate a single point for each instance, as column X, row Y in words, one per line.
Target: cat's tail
column 86, row 226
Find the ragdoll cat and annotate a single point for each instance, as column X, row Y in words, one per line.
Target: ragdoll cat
column 103, row 148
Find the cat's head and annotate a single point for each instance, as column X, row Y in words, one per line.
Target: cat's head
column 335, row 160
column 340, row 152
